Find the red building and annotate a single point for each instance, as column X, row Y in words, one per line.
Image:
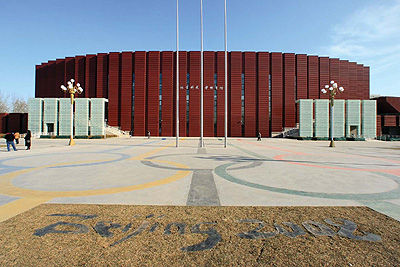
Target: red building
column 13, row 122
column 388, row 119
column 262, row 88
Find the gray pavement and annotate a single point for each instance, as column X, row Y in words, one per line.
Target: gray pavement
column 273, row 172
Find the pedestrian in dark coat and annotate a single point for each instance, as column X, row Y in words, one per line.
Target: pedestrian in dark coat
column 28, row 137
column 10, row 141
column 148, row 134
column 259, row 136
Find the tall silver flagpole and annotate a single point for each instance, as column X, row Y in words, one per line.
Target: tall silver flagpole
column 201, row 79
column 177, row 74
column 226, row 84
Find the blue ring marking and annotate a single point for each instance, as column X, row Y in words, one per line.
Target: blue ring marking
column 4, row 199
column 393, row 194
column 10, row 169
column 122, row 157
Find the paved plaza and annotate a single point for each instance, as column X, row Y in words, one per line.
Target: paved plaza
column 139, row 202
column 138, row 171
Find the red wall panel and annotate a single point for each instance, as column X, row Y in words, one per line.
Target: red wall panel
column 3, row 122
column 323, row 76
column 235, row 94
column 313, row 78
column 102, row 75
column 365, row 94
column 263, row 94
column 37, row 84
column 168, row 89
column 334, row 70
column 301, row 80
column 69, row 71
column 350, row 92
column 60, row 76
column 153, row 88
column 221, row 93
column 209, row 70
column 80, row 74
column 378, row 125
column 14, row 122
column 114, row 89
column 139, row 121
column 126, row 91
column 360, row 81
column 24, row 123
column 301, row 77
column 42, row 80
column 277, row 92
column 45, row 79
column 289, row 90
column 194, row 94
column 390, row 120
column 183, row 71
column 343, row 78
column 51, row 79
column 90, row 76
column 250, row 94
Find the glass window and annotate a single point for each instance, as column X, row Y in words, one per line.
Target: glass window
column 269, row 98
column 133, row 101
column 215, row 104
column 187, row 83
column 160, row 105
column 242, row 99
column 160, row 85
column 187, row 100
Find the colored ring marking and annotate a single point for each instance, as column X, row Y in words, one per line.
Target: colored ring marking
column 31, row 198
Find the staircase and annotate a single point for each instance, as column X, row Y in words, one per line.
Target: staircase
column 112, row 131
column 288, row 132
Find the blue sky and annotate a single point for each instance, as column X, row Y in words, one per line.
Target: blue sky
column 35, row 31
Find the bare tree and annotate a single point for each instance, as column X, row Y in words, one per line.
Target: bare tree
column 19, row 105
column 4, row 103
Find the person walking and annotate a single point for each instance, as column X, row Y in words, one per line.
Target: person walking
column 148, row 134
column 259, row 136
column 17, row 136
column 28, row 137
column 10, row 141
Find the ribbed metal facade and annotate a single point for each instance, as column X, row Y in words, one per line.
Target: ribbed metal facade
column 262, row 88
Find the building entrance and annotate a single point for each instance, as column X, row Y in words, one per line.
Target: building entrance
column 353, row 131
column 50, row 128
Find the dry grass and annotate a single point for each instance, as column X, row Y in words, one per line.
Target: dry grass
column 20, row 247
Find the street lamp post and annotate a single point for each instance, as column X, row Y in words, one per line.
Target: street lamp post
column 72, row 90
column 333, row 89
column 201, row 79
column 226, row 84
column 177, row 74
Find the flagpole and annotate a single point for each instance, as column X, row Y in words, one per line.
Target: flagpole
column 226, row 84
column 177, row 74
column 201, row 79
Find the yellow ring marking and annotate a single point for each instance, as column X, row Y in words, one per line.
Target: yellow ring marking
column 18, row 206
column 32, row 198
column 150, row 153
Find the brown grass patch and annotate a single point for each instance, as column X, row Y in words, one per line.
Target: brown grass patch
column 19, row 246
